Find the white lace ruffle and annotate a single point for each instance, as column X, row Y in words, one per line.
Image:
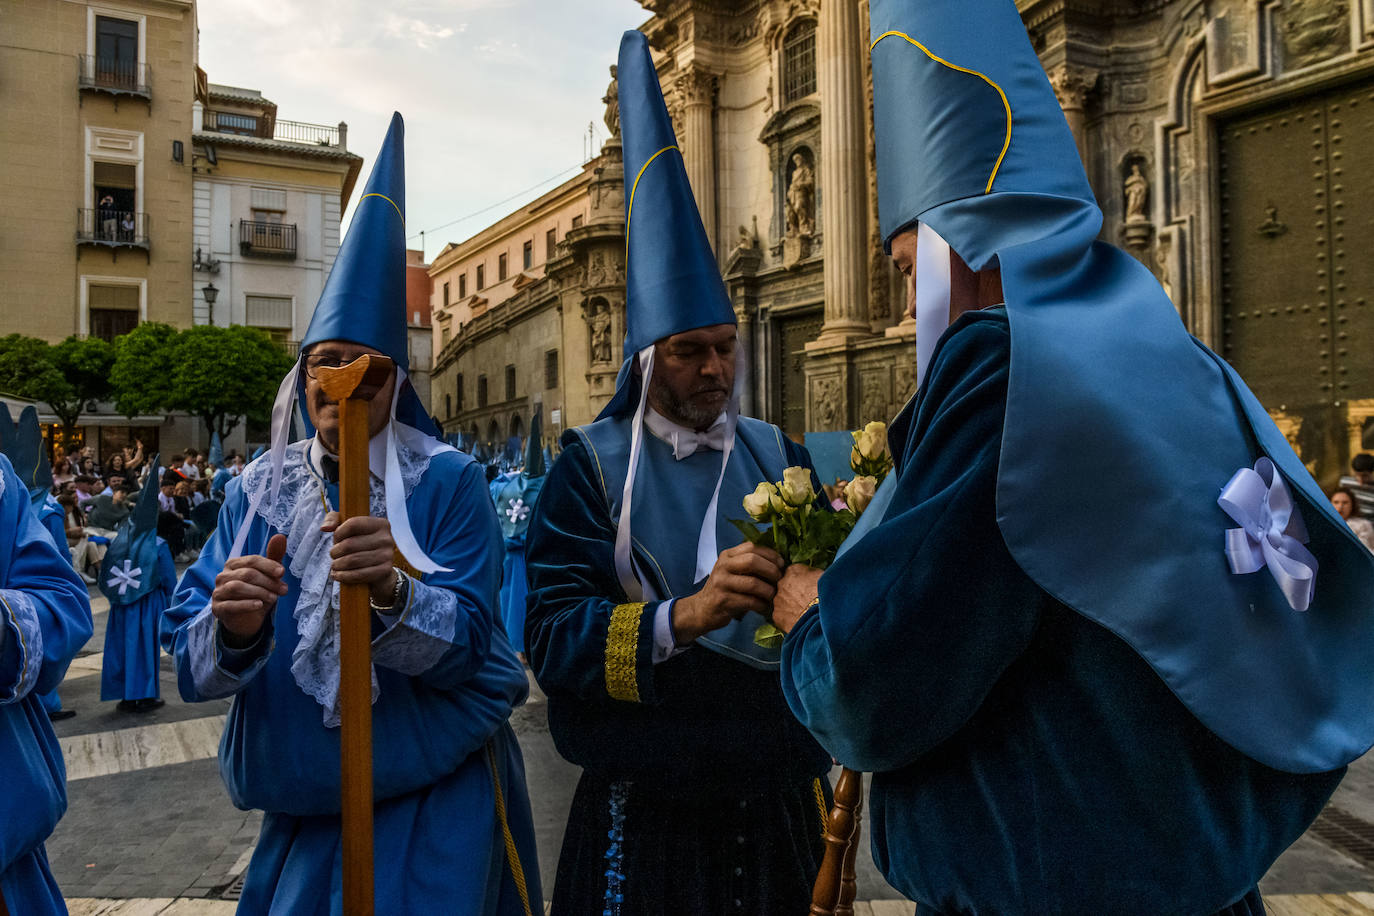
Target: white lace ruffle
column 298, row 513
column 423, row 632
column 17, row 611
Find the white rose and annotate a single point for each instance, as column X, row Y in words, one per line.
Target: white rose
column 859, row 493
column 757, row 503
column 873, row 440
column 796, row 486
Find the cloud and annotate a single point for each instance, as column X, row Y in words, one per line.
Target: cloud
column 423, row 34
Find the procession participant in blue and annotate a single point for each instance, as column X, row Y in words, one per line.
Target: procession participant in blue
column 45, row 617
column 256, row 619
column 138, row 577
column 700, row 792
column 1107, row 649
column 514, row 503
column 22, row 443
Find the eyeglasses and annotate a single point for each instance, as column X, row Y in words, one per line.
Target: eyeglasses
column 324, row 361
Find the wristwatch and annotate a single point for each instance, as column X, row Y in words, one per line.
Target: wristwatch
column 402, row 584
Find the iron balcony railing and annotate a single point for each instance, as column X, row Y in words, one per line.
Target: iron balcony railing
column 259, row 237
column 265, row 127
column 106, row 74
column 108, row 226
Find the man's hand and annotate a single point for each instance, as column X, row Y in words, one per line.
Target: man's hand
column 246, row 591
column 363, row 552
column 796, row 590
column 743, row 580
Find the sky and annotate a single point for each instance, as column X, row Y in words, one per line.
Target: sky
column 496, row 94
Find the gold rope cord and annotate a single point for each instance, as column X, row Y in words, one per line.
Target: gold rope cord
column 512, row 854
column 820, row 804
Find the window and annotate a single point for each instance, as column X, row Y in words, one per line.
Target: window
column 550, row 243
column 528, row 255
column 463, row 285
column 268, row 312
column 230, row 122
column 460, row 391
column 116, row 52
column 481, row 391
column 448, row 406
column 268, row 199
column 481, row 276
column 115, row 196
column 445, row 292
column 550, row 368
column 577, row 222
column 510, row 383
column 799, row 62
column 113, row 310
column 501, row 267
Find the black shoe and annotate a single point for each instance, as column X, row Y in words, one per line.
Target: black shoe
column 149, row 704
column 61, row 714
column 127, row 706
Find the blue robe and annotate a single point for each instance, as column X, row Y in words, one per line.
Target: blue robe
column 54, row 520
column 45, row 613
column 1025, row 758
column 129, row 669
column 694, row 751
column 514, row 504
column 448, row 681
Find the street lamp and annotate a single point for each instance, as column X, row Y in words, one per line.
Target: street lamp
column 210, row 294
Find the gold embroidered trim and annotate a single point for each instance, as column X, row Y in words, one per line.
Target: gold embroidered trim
column 1006, row 143
column 622, row 646
column 820, row 805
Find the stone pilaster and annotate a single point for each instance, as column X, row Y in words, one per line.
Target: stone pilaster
column 1072, row 86
column 843, row 180
column 698, row 90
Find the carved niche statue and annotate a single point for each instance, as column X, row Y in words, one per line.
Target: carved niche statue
column 801, row 198
column 1137, row 190
column 612, row 100
column 599, row 324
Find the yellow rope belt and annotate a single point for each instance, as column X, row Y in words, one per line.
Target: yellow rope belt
column 512, row 854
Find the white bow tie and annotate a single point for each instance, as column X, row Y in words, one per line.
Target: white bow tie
column 683, row 440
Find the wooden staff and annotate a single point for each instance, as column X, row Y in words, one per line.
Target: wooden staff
column 834, row 890
column 353, row 386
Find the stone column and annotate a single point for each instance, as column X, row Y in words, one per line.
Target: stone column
column 698, row 91
column 1071, row 86
column 843, row 181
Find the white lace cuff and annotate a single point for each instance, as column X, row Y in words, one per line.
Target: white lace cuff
column 207, row 654
column 417, row 639
column 20, row 618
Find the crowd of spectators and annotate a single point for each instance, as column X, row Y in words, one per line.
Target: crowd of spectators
column 98, row 499
column 1354, row 498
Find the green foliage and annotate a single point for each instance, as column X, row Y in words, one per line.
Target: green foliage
column 69, row 376
column 145, row 360
column 222, row 374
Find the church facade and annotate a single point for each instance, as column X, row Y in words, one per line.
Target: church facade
column 1226, row 141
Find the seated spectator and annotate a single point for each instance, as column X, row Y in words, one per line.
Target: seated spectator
column 115, row 465
column 106, row 512
column 1344, row 502
column 171, row 527
column 89, row 467
column 62, row 472
column 182, row 498
column 133, row 457
column 85, row 553
column 86, row 489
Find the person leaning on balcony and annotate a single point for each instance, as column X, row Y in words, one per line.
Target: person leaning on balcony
column 109, row 217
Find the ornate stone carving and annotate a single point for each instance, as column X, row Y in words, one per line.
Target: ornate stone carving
column 801, row 195
column 904, row 379
column 873, row 396
column 603, row 269
column 1073, row 85
column 598, row 316
column 612, row 100
column 696, row 86
column 1314, row 30
column 1137, row 188
column 825, row 403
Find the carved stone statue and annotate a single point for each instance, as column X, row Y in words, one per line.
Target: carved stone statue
column 600, row 324
column 1137, row 188
column 612, row 100
column 801, row 198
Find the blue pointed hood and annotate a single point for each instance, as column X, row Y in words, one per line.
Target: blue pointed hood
column 672, row 280
column 364, row 299
column 534, row 446
column 129, row 569
column 8, row 430
column 1121, row 429
column 28, row 455
column 216, row 455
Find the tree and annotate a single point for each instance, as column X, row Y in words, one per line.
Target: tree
column 224, row 374
column 70, row 376
column 144, row 363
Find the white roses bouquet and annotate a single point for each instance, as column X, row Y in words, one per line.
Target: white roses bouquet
column 798, row 529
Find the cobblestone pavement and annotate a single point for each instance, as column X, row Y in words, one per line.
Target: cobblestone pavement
column 151, row 832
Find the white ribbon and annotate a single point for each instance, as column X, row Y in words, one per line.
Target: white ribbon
column 126, row 578
column 1271, row 532
column 932, row 295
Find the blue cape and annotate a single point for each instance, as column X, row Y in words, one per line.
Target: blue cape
column 134, row 549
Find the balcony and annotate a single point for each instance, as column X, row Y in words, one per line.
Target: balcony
column 113, row 76
column 111, row 228
column 265, row 127
column 267, row 240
